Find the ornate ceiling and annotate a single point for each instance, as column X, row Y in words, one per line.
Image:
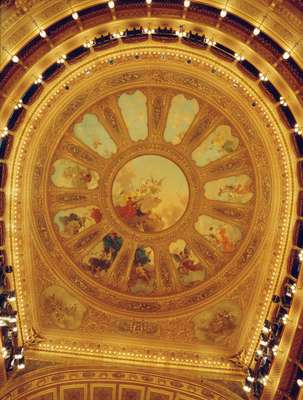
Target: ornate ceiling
column 152, row 199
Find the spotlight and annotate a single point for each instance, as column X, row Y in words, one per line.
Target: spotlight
column 148, row 2
column 111, row 4
column 256, row 31
column 286, row 55
column 300, row 382
column 43, row 34
column 75, row 15
column 15, row 59
column 223, row 13
column 186, row 3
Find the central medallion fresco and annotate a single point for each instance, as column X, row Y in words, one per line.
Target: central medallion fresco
column 150, row 193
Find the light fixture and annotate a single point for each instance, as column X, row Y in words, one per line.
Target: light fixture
column 223, row 13
column 285, row 319
column 15, row 59
column 89, row 43
column 43, row 34
column 19, row 104
column 61, row 59
column 298, row 129
column 148, row 2
column 186, row 3
column 286, row 55
column 263, row 343
column 256, row 31
column 238, row 57
column 210, row 42
column 4, row 132
column 300, row 382
column 21, row 363
column 39, row 80
column 111, row 4
column 263, row 77
column 246, row 388
column 75, row 15
column 282, row 101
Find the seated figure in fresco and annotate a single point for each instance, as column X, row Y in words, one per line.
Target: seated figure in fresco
column 72, row 222
column 101, row 257
column 136, row 207
column 190, row 271
column 223, row 321
column 222, row 235
column 69, row 174
column 142, row 277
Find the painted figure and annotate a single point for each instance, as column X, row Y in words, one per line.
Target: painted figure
column 134, row 110
column 180, row 116
column 233, row 189
column 220, row 234
column 101, row 257
column 218, row 144
column 68, row 174
column 189, row 269
column 150, row 193
column 92, row 133
column 73, row 221
column 142, row 276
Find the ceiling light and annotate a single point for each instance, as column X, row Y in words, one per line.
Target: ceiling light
column 256, row 31
column 111, row 4
column 246, row 388
column 4, row 132
column 61, row 59
column 75, row 15
column 238, row 57
column 43, row 34
column 263, row 77
column 39, row 80
column 15, row 59
column 186, row 3
column 19, row 104
column 89, row 43
column 282, row 101
column 223, row 13
column 148, row 2
column 286, row 55
column 298, row 129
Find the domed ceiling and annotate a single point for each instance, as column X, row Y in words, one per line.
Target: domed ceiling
column 152, row 200
column 150, row 209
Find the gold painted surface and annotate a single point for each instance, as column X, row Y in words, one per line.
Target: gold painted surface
column 109, row 383
column 142, row 331
column 67, row 303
